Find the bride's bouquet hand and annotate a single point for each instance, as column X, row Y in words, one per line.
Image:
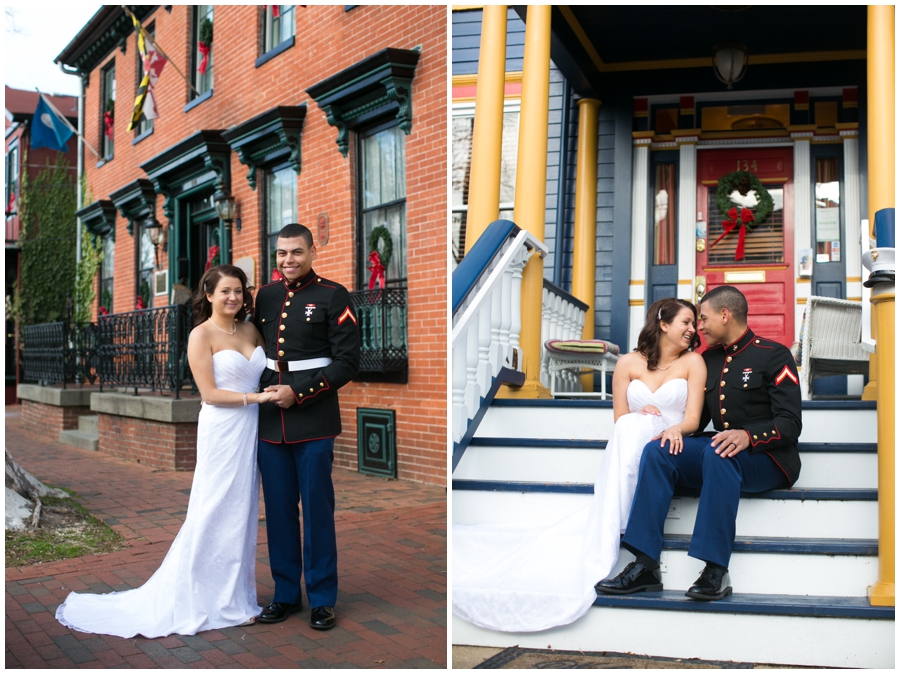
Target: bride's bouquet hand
column 651, row 409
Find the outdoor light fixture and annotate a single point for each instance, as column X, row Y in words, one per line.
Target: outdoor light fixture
column 226, row 208
column 730, row 62
column 155, row 232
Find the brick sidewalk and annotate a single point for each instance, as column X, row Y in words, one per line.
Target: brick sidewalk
column 391, row 606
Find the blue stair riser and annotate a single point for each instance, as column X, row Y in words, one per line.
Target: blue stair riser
column 580, row 461
column 766, row 517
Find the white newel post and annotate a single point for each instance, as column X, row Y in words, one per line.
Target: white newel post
column 637, row 289
column 852, row 248
column 802, row 210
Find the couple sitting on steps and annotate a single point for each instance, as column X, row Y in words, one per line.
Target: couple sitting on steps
column 522, row 579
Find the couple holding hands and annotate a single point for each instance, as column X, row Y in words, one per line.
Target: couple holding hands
column 527, row 578
column 270, row 406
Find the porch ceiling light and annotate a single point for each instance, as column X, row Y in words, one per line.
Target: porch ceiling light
column 730, row 62
column 226, row 208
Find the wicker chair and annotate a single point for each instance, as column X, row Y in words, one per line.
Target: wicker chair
column 831, row 341
column 566, row 361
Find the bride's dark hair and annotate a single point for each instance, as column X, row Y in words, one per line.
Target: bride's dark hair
column 208, row 283
column 662, row 311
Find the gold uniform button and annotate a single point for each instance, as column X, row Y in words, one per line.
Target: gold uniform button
column 287, row 304
column 321, row 384
column 318, row 280
column 312, row 390
column 721, row 383
column 725, row 370
column 307, row 319
column 724, row 411
column 281, row 353
column 290, row 294
column 299, row 395
column 757, row 341
column 765, row 435
column 722, row 397
column 281, row 340
column 729, row 359
column 284, row 315
column 734, row 348
column 264, row 320
column 281, row 327
column 755, row 438
column 745, row 386
column 725, row 424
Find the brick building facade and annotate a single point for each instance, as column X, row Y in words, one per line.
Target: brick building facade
column 309, row 116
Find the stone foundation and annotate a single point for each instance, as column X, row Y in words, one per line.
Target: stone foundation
column 48, row 410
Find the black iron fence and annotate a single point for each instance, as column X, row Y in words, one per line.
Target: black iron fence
column 139, row 349
column 382, row 330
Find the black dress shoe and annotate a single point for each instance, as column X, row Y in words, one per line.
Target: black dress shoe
column 278, row 611
column 322, row 618
column 635, row 578
column 712, row 584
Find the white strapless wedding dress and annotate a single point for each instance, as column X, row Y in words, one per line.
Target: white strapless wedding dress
column 208, row 578
column 525, row 578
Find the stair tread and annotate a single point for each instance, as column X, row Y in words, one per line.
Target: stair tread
column 827, row 546
column 810, row 493
column 572, row 443
column 80, row 434
column 771, row 604
column 574, row 402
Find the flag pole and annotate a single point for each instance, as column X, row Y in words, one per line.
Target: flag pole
column 65, row 121
column 148, row 37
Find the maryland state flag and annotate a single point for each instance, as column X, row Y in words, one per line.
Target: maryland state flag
column 154, row 62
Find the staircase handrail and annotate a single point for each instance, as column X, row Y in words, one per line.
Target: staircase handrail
column 486, row 321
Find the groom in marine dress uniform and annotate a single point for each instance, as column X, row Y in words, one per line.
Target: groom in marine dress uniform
column 312, row 349
column 753, row 400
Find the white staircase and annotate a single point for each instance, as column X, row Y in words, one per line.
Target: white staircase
column 802, row 562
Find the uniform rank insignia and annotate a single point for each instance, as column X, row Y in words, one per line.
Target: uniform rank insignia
column 309, row 309
column 347, row 314
column 786, row 374
column 747, row 372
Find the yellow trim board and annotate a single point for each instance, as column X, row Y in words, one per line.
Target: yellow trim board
column 511, row 77
column 635, row 303
column 463, row 8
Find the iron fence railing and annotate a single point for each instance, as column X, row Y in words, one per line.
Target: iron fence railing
column 139, row 349
column 382, row 329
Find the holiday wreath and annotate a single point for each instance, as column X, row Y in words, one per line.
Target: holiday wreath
column 382, row 234
column 748, row 220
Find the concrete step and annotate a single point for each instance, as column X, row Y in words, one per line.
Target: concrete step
column 818, row 631
column 788, row 513
column 836, row 465
column 79, row 439
column 87, row 423
column 823, row 421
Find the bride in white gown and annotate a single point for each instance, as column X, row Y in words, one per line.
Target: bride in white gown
column 528, row 577
column 208, row 578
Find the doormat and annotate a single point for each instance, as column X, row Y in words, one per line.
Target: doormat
column 535, row 658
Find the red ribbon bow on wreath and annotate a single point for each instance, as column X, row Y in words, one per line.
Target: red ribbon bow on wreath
column 140, row 303
column 377, row 270
column 729, row 225
column 204, row 49
column 211, row 256
column 108, row 123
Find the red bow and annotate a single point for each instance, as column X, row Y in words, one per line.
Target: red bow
column 746, row 216
column 211, row 255
column 103, row 311
column 140, row 303
column 204, row 49
column 274, row 10
column 108, row 122
column 377, row 270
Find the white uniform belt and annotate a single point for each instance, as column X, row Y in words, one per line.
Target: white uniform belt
column 297, row 365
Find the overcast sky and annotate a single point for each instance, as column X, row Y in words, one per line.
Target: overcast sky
column 35, row 34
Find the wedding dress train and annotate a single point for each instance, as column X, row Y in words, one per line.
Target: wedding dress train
column 208, row 578
column 526, row 578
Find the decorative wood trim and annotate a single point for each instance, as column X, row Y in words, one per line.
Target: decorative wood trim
column 267, row 138
column 135, row 201
column 99, row 218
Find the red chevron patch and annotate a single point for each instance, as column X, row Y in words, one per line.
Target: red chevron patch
column 347, row 314
column 786, row 374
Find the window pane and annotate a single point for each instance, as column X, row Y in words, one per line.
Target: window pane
column 281, row 209
column 108, row 105
column 664, row 215
column 828, row 210
column 508, row 155
column 394, row 220
column 203, row 81
column 384, row 182
column 146, row 249
column 461, row 167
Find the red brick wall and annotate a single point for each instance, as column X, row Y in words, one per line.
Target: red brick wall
column 153, row 443
column 49, row 420
column 328, row 39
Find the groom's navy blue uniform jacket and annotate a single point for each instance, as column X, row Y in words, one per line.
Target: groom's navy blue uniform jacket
column 309, row 318
column 752, row 385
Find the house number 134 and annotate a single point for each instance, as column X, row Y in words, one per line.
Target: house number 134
column 748, row 166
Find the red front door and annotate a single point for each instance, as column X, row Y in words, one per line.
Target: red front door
column 766, row 273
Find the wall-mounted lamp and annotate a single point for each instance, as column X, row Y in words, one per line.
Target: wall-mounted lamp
column 156, row 234
column 226, row 208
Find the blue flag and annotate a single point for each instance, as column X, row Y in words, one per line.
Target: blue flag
column 47, row 129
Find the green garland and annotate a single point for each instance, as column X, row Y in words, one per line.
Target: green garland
column 47, row 240
column 381, row 233
column 730, row 182
column 206, row 32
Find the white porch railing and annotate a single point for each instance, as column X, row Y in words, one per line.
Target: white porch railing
column 562, row 317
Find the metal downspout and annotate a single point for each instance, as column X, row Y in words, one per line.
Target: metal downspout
column 80, row 162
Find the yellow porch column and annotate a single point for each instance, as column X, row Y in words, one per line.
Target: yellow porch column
column 484, row 183
column 584, row 259
column 531, row 189
column 880, row 63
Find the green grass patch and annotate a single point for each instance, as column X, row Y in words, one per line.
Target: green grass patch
column 66, row 530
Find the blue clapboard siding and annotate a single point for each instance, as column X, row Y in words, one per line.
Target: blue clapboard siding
column 466, row 41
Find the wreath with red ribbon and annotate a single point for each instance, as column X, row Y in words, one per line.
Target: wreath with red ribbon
column 747, row 219
column 204, row 43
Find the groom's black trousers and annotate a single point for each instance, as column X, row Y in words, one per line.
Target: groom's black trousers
column 720, row 482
